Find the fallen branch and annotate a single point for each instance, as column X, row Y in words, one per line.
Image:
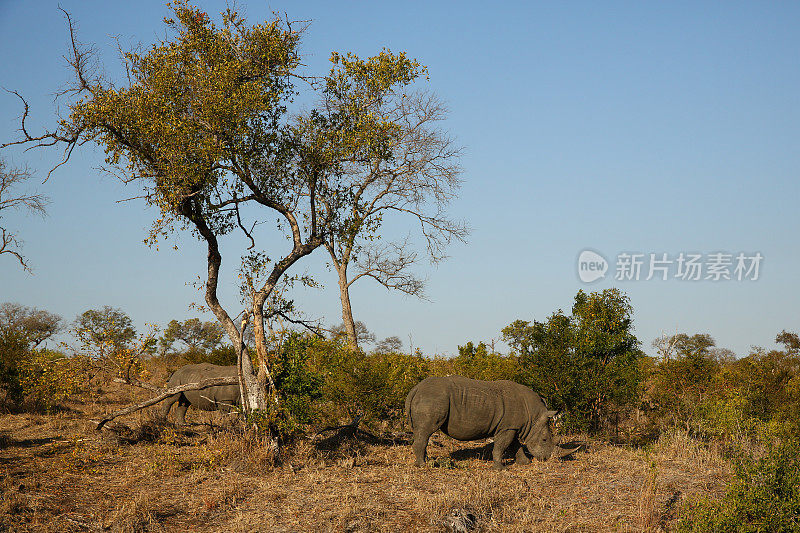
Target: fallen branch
column 212, row 382
column 139, row 383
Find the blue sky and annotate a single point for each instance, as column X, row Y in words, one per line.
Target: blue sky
column 618, row 127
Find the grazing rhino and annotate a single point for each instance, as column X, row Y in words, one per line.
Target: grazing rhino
column 223, row 398
column 469, row 409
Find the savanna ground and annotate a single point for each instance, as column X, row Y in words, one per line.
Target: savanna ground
column 60, row 474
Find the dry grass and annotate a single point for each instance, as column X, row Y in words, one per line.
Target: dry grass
column 58, row 474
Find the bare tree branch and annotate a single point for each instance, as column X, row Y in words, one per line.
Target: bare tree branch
column 10, row 199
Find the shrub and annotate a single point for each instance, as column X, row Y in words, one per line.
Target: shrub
column 48, row 377
column 587, row 363
column 763, row 497
column 680, row 386
column 22, row 329
column 222, row 356
column 297, row 385
column 477, row 362
column 374, row 386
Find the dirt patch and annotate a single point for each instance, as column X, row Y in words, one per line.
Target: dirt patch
column 58, row 474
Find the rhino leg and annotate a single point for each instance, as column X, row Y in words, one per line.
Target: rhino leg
column 420, row 445
column 180, row 411
column 521, row 457
column 502, row 441
column 167, row 405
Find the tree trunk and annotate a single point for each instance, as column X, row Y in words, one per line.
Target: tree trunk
column 264, row 378
column 254, row 395
column 347, row 311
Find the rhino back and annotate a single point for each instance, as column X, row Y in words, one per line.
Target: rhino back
column 211, row 398
column 475, row 409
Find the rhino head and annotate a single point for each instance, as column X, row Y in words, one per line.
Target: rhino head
column 540, row 440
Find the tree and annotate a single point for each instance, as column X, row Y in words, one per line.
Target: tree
column 22, row 330
column 414, row 173
column 684, row 376
column 193, row 333
column 202, row 124
column 362, row 334
column 587, row 362
column 391, row 344
column 481, row 362
column 103, row 331
column 790, row 341
column 108, row 337
column 11, row 199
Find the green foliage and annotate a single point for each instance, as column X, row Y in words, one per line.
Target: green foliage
column 102, row 331
column 194, row 334
column 587, row 363
column 477, row 362
column 682, row 384
column 297, row 387
column 186, row 95
column 373, row 385
column 222, row 356
column 21, row 330
column 48, row 378
column 297, row 384
column 763, row 497
column 749, row 398
column 107, row 336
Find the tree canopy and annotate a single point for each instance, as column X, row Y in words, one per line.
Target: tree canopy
column 585, row 362
column 204, row 124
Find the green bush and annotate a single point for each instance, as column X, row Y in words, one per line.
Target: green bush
column 680, row 386
column 371, row 385
column 297, row 384
column 587, row 363
column 763, row 497
column 22, row 330
column 222, row 356
column 48, row 377
column 477, row 362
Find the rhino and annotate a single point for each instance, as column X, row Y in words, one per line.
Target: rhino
column 469, row 409
column 223, row 398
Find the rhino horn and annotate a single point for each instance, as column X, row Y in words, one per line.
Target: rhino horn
column 565, row 450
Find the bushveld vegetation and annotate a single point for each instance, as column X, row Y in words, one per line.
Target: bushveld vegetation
column 689, row 405
column 203, row 125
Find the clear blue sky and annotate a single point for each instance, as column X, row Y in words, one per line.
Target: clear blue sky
column 620, row 127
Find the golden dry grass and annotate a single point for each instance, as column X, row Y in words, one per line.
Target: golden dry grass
column 58, row 474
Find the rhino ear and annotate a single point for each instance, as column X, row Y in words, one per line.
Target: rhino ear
column 555, row 415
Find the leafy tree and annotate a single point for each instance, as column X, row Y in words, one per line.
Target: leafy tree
column 12, row 199
column 194, row 334
column 22, row 330
column 479, row 362
column 391, row 344
column 202, row 124
column 586, row 363
column 411, row 170
column 102, row 331
column 108, row 337
column 684, row 377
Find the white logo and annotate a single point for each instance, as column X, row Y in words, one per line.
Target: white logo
column 591, row 266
